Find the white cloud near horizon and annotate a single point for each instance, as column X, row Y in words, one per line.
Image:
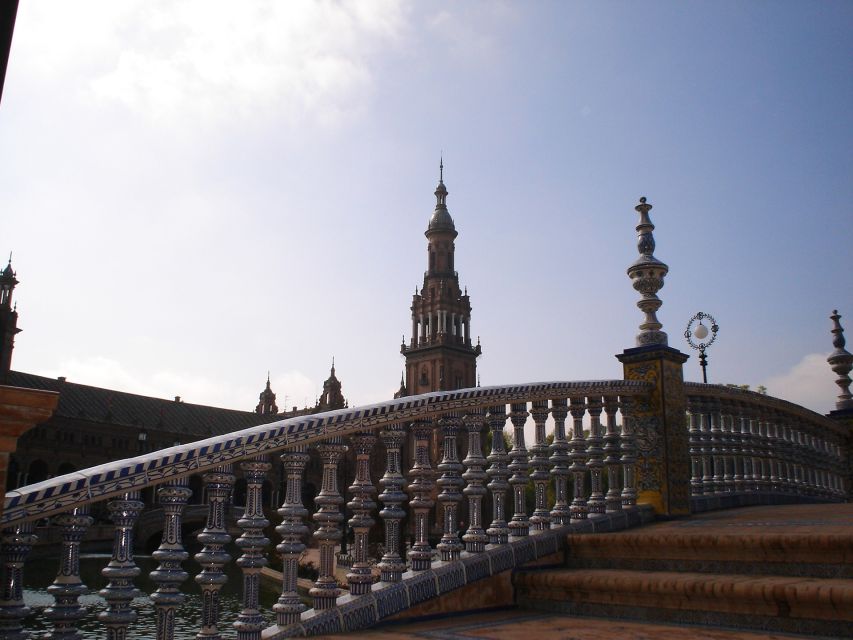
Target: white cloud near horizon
column 206, row 61
column 809, row 383
column 294, row 387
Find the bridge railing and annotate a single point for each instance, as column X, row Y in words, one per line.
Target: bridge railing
column 588, row 468
column 742, row 442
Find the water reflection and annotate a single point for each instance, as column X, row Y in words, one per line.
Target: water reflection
column 40, row 571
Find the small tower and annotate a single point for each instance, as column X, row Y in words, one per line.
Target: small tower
column 331, row 398
column 266, row 401
column 8, row 319
column 440, row 355
column 841, row 362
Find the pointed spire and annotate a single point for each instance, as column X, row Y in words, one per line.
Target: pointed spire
column 440, row 173
column 841, row 362
column 268, row 378
column 333, row 366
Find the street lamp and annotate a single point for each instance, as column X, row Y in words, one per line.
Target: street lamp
column 696, row 329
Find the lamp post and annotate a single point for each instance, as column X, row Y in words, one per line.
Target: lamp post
column 696, row 329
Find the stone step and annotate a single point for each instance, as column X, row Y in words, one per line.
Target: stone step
column 788, row 604
column 792, row 554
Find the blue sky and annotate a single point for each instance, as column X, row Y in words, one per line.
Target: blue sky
column 196, row 195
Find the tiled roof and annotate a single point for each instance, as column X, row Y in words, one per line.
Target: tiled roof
column 80, row 401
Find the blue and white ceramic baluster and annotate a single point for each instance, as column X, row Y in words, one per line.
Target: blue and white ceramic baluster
column 392, row 498
column 629, row 456
column 293, row 531
column 519, row 466
column 169, row 574
column 66, row 611
column 420, row 555
column 212, row 556
column 450, row 483
column 613, row 499
column 541, row 518
column 595, row 464
column 475, row 537
column 252, row 542
column 328, row 518
column 498, row 474
column 360, row 577
column 17, row 541
column 578, row 508
column 121, row 569
column 560, row 512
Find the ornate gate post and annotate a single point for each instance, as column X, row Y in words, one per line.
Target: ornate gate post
column 660, row 428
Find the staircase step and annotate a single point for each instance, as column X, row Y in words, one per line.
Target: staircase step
column 816, row 555
column 769, row 602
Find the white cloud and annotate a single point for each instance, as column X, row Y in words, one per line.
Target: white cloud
column 104, row 372
column 809, row 383
column 211, row 60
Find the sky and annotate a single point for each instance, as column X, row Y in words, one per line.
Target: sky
column 199, row 192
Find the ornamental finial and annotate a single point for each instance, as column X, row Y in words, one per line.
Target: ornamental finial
column 647, row 274
column 841, row 362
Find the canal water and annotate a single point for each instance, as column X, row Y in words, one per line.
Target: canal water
column 40, row 571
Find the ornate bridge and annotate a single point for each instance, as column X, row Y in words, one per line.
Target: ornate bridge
column 606, row 455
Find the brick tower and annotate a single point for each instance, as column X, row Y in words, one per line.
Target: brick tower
column 440, row 355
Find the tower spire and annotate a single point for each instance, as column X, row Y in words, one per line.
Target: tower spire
column 440, row 179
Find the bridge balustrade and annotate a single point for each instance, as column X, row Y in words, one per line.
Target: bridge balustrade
column 740, row 444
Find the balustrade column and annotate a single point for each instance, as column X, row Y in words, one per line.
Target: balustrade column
column 252, row 543
column 169, row 574
column 613, row 499
column 695, row 441
column 328, row 518
column 746, row 447
column 450, row 484
column 727, row 451
column 475, row 537
column 560, row 513
column 519, row 526
column 212, row 556
column 773, row 452
column 360, row 577
column 736, row 448
column 68, row 587
column 596, row 504
column 541, row 518
column 392, row 498
column 629, row 456
column 420, row 555
column 17, row 544
column 707, row 447
column 717, row 485
column 579, row 507
column 498, row 473
column 292, row 531
column 121, row 569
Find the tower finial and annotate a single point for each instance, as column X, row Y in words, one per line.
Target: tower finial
column 440, row 172
column 841, row 362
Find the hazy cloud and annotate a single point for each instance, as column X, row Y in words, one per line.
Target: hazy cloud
column 209, row 60
column 809, row 383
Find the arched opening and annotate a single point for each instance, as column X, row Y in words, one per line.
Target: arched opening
column 37, row 472
column 13, row 473
column 65, row 467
